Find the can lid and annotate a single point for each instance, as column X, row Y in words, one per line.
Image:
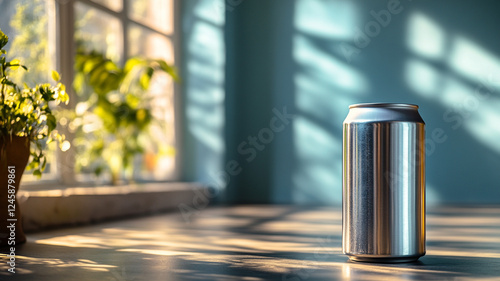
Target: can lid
column 384, row 105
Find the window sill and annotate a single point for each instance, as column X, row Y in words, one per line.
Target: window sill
column 43, row 209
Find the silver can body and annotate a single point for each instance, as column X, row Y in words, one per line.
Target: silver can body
column 383, row 200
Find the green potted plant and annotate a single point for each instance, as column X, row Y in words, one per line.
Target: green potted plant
column 117, row 97
column 27, row 125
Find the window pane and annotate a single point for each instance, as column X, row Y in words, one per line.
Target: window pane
column 150, row 44
column 157, row 14
column 101, row 32
column 25, row 22
column 115, row 5
column 158, row 161
column 98, row 31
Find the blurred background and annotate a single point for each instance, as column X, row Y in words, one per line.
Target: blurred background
column 265, row 86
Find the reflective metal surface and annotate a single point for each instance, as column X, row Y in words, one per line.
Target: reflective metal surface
column 384, row 183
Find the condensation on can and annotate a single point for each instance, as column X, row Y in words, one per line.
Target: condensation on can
column 383, row 200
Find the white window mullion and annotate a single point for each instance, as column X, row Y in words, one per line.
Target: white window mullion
column 125, row 27
column 64, row 61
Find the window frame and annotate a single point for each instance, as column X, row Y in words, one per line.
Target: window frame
column 62, row 49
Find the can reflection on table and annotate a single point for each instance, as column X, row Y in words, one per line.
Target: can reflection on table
column 383, row 200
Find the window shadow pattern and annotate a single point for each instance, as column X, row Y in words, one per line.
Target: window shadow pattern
column 253, row 242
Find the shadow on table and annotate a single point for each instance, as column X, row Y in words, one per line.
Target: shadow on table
column 339, row 268
column 48, row 262
column 244, row 243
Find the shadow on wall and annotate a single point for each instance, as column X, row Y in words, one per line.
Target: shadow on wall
column 425, row 53
column 317, row 57
column 203, row 79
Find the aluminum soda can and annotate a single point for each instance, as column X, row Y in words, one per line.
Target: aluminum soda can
column 383, row 193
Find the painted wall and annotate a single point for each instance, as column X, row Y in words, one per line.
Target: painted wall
column 202, row 72
column 312, row 58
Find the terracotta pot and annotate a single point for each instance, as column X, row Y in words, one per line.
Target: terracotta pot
column 15, row 153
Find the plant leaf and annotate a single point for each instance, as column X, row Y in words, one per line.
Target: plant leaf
column 4, row 39
column 56, row 76
column 44, row 163
column 51, row 122
column 37, row 173
column 169, row 69
column 14, row 64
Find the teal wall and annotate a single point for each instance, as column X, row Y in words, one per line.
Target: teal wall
column 202, row 72
column 312, row 58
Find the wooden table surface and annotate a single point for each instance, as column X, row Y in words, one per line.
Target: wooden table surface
column 253, row 243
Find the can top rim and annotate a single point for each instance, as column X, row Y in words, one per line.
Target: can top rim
column 384, row 105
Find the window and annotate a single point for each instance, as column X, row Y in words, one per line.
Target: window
column 118, row 29
column 26, row 24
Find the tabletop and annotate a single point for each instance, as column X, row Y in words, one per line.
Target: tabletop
column 252, row 242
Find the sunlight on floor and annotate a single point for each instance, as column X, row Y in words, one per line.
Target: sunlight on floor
column 287, row 243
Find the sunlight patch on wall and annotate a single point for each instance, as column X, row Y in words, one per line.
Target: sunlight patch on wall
column 317, row 100
column 331, row 70
column 425, row 37
column 422, row 77
column 210, row 11
column 325, row 86
column 485, row 125
column 205, row 129
column 466, row 86
column 477, row 113
column 453, row 90
column 204, row 86
column 316, row 19
column 473, row 61
column 318, row 176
